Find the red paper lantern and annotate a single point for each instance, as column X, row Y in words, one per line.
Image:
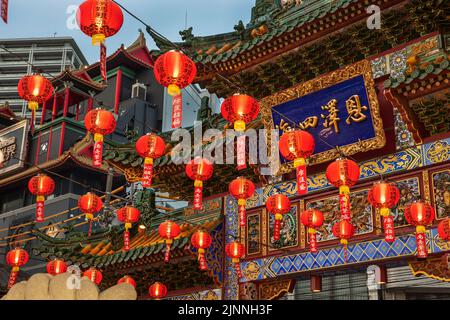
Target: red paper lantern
column 240, row 109
column 312, row 219
column 15, row 258
column 297, row 146
column 420, row 214
column 384, row 196
column 56, row 266
column 278, row 205
column 235, row 251
column 202, row 241
column 199, row 170
column 90, row 204
column 157, row 291
column 41, row 186
column 175, row 71
column 100, row 123
column 94, row 275
column 242, row 189
column 128, row 215
column 99, row 19
column 149, row 147
column 343, row 173
column 127, row 279
column 343, row 230
column 168, row 230
column 35, row 89
column 444, row 229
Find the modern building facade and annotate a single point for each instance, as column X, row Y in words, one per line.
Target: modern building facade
column 50, row 55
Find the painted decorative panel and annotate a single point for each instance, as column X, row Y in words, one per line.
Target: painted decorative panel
column 361, row 210
column 441, row 193
column 409, row 192
column 289, row 230
column 253, row 244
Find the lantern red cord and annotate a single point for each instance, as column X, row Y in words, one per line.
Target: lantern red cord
column 127, row 279
column 99, row 19
column 168, row 230
column 15, row 258
column 128, row 215
column 201, row 240
column 444, row 229
column 90, row 204
column 242, row 189
column 240, row 109
column 150, row 147
column 175, row 71
column 235, row 251
column 384, row 196
column 157, row 291
column 35, row 89
column 297, row 146
column 278, row 205
column 94, row 275
column 199, row 170
column 420, row 214
column 343, row 173
column 56, row 267
column 41, row 186
column 312, row 219
column 100, row 123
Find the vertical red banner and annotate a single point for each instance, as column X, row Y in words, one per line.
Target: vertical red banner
column 344, row 203
column 241, row 152
column 198, row 198
column 12, row 279
column 388, row 226
column 242, row 215
column 237, row 267
column 103, row 62
column 177, row 111
column 301, row 180
column 126, row 240
column 312, row 242
column 202, row 262
column 39, row 211
column 167, row 253
column 277, row 230
column 4, row 10
column 422, row 251
column 147, row 175
column 98, row 153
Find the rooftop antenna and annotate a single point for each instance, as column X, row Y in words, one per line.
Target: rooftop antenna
column 54, row 34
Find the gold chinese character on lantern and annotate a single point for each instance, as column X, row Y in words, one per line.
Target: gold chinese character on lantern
column 310, row 122
column 332, row 119
column 355, row 110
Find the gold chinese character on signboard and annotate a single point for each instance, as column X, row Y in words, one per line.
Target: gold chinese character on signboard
column 310, row 122
column 332, row 119
column 355, row 110
column 284, row 126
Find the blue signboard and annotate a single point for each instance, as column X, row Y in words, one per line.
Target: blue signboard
column 339, row 110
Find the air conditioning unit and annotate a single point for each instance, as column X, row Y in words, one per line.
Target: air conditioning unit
column 139, row 90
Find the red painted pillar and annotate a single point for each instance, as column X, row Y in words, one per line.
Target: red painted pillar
column 55, row 98
column 118, row 91
column 44, row 109
column 90, row 104
column 61, row 140
column 66, row 101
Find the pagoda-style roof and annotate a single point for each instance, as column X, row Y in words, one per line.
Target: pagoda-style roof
column 300, row 43
column 171, row 177
column 422, row 94
column 104, row 250
column 136, row 57
column 7, row 116
column 79, row 79
column 76, row 154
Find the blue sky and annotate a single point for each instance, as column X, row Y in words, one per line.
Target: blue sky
column 42, row 18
